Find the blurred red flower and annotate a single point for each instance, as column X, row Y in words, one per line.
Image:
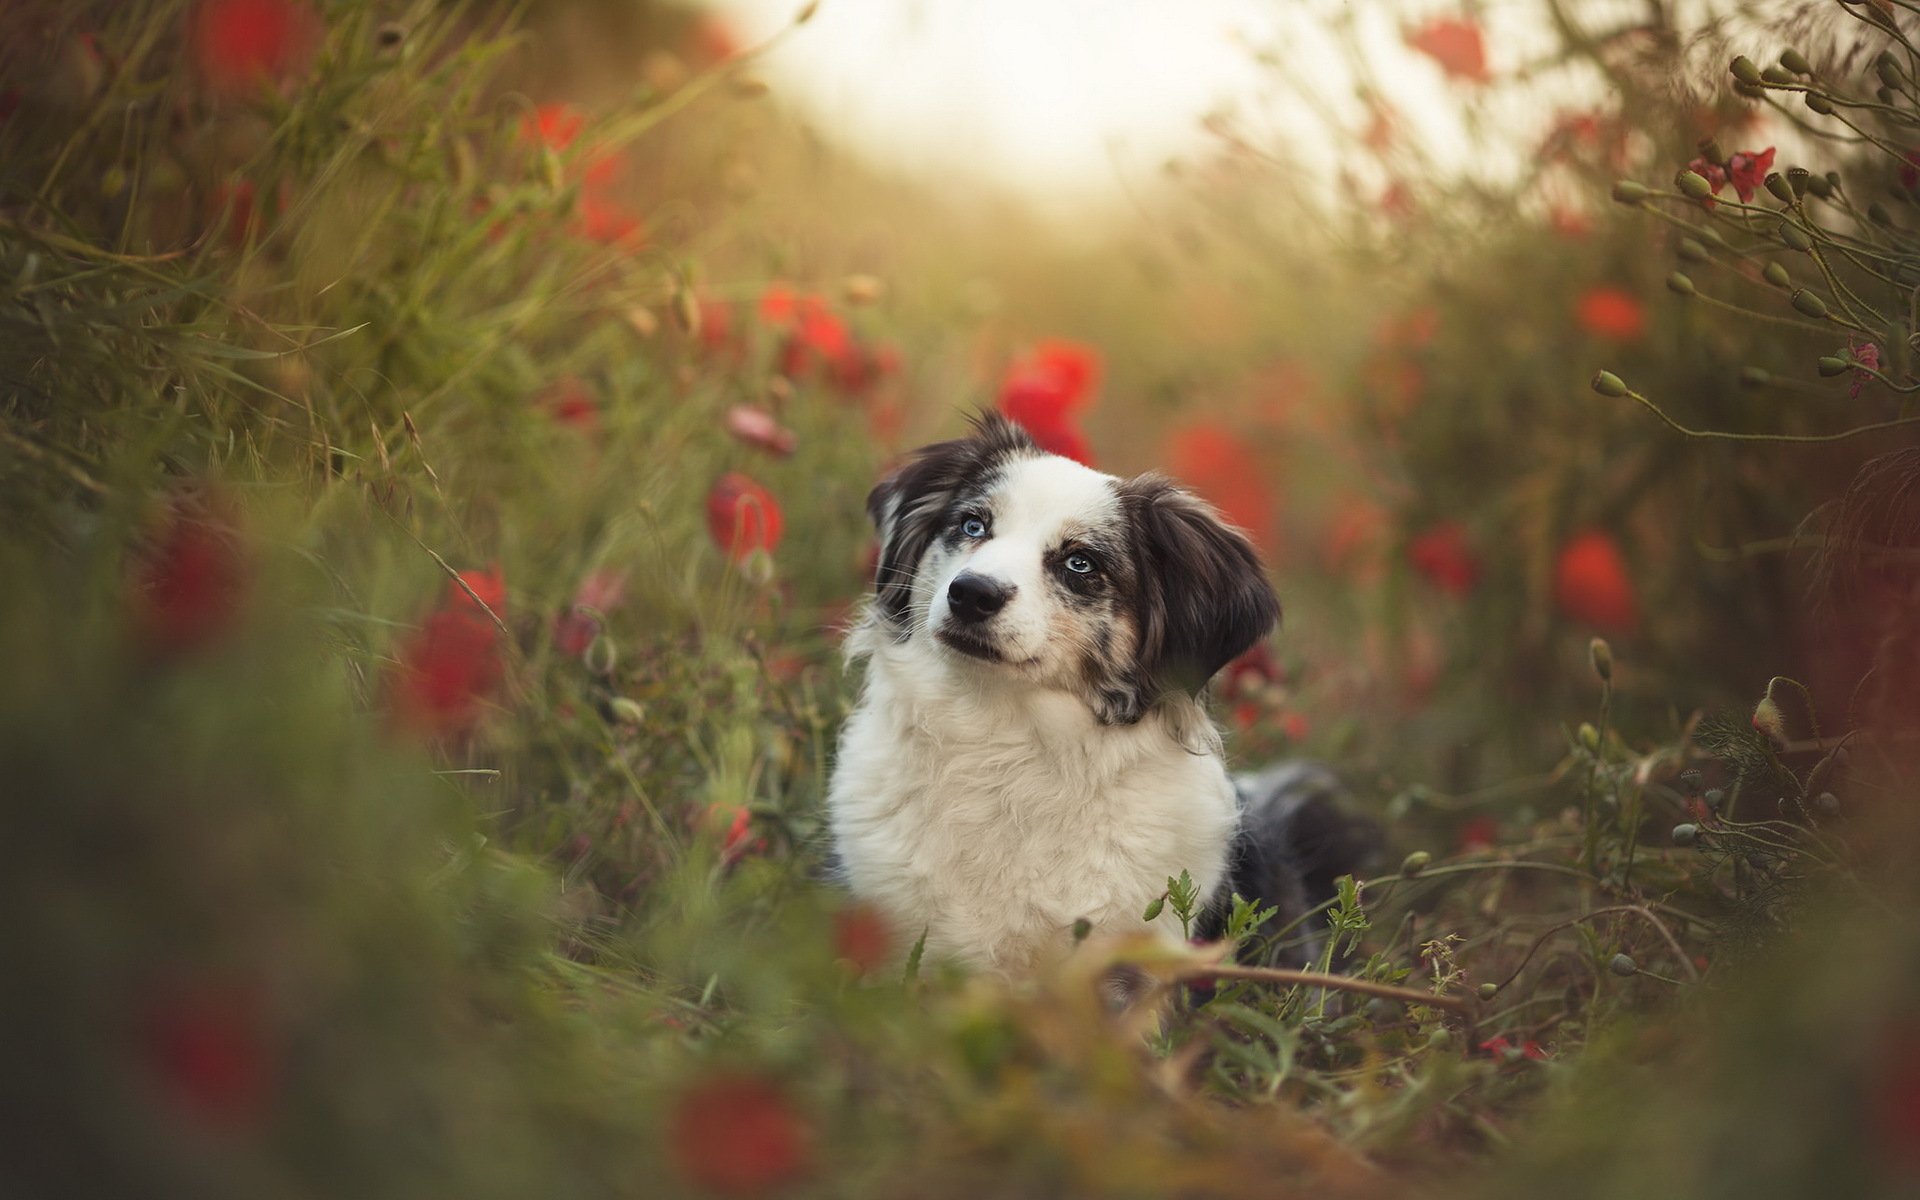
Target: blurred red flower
column 861, row 937
column 189, row 583
column 1895, row 1099
column 1569, row 222
column 710, row 39
column 1480, row 833
column 602, row 215
column 238, row 44
column 554, row 126
column 1867, row 354
column 1501, row 1047
column 738, row 1135
column 452, row 663
column 743, row 516
column 570, row 403
column 1445, row 558
column 1044, row 391
column 1457, row 45
column 778, row 304
column 1612, row 313
column 758, row 427
column 205, row 1043
column 1747, row 171
column 599, row 593
column 733, row 825
column 1213, row 461
column 1353, row 535
column 1910, row 169
column 1591, row 584
column 817, row 339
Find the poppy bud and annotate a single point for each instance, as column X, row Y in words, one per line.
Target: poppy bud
column 1878, row 214
column 626, row 711
column 1782, row 190
column 1776, row 275
column 1795, row 61
column 1679, row 284
column 1714, row 798
column 1755, row 377
column 1884, row 95
column 1415, row 863
column 1798, row 178
column 1691, row 250
column 1769, row 720
column 1693, row 185
column 1623, row 966
column 1819, row 103
column 1589, row 737
column 1831, row 365
column 1711, row 151
column 1601, row 656
column 1609, row 384
column 1744, row 70
column 1828, row 804
column 1804, row 301
column 1686, row 835
column 1626, row 191
column 1751, row 91
column 1888, row 70
column 1795, row 237
column 1153, row 907
column 1488, row 991
column 1778, row 76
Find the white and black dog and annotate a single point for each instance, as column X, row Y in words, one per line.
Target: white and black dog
column 1031, row 747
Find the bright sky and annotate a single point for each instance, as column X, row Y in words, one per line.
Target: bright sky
column 1065, row 101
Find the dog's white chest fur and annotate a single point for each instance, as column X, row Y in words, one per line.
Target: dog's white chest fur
column 993, row 815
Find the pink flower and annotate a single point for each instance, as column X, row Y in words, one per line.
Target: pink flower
column 1457, row 45
column 1867, row 354
column 1747, row 171
column 757, row 427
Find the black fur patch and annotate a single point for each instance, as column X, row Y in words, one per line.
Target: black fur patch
column 914, row 505
column 1200, row 597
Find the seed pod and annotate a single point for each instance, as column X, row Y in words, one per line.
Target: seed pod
column 1828, row 804
column 1797, row 178
column 1679, row 284
column 1714, row 798
column 1690, row 781
column 1819, row 103
column 1780, row 189
column 1883, row 94
column 1744, row 70
column 1878, row 214
column 1822, row 185
column 1692, row 251
column 1831, row 365
column 1778, row 76
column 1488, row 991
column 1795, row 61
column 1751, row 91
column 1626, row 191
column 1590, row 737
column 1711, row 151
column 1686, row 835
column 1795, row 237
column 627, row 711
column 1153, row 907
column 1415, row 863
column 1776, row 275
column 1601, row 656
column 1609, row 384
column 1693, row 185
column 1755, row 377
column 1808, row 304
column 1888, row 70
column 1623, row 966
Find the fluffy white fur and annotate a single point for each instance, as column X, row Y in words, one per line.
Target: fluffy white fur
column 984, row 802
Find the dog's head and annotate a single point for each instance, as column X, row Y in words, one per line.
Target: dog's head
column 1002, row 557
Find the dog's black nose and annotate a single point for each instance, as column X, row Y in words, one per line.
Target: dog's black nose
column 973, row 598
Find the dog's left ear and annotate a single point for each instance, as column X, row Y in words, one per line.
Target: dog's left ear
column 1203, row 597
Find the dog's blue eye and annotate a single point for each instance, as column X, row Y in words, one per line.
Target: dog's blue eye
column 1079, row 564
column 974, row 527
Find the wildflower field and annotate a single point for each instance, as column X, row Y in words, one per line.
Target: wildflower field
column 433, row 444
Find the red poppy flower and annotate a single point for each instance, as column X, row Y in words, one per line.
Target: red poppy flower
column 1867, row 354
column 1254, row 669
column 489, row 585
column 1296, row 726
column 716, row 326
column 758, row 427
column 602, row 215
column 570, row 403
column 819, row 339
column 1747, row 171
column 452, row 664
column 206, row 1045
column 1501, row 1047
column 1445, row 558
column 1043, row 391
column 779, row 303
column 743, row 516
column 1611, row 313
column 1457, row 45
column 733, row 825
column 738, row 1135
column 1591, row 584
column 1480, row 833
column 861, row 937
column 1214, row 462
column 555, row 126
column 188, row 586
column 238, row 44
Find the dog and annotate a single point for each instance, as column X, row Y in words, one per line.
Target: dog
column 1031, row 750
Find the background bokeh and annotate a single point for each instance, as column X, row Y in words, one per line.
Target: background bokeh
column 433, row 438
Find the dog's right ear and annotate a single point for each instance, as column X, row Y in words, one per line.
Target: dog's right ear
column 910, row 507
